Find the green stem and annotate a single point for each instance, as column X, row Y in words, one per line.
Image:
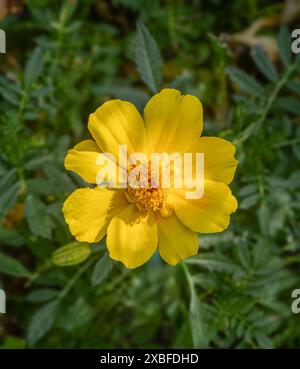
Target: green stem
column 76, row 276
column 275, row 93
column 255, row 126
column 286, row 143
column 39, row 271
column 189, row 279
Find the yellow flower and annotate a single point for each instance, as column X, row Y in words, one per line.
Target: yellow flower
column 139, row 221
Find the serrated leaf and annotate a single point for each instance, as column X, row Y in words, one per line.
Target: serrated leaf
column 277, row 221
column 244, row 256
column 245, row 82
column 40, row 186
column 197, row 316
column 40, row 223
column 9, row 96
column 42, row 295
column 41, row 92
column 198, row 322
column 68, row 10
column 42, row 321
column 102, row 268
column 75, row 316
column 284, row 43
column 11, row 237
column 58, row 181
column 8, row 198
column 10, row 85
column 7, row 180
column 294, row 86
column 264, row 63
column 264, row 341
column 249, row 201
column 148, row 58
column 213, row 262
column 13, row 267
column 247, row 190
column 289, row 104
column 34, row 67
column 264, row 218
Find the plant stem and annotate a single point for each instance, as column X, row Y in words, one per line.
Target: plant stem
column 275, row 92
column 77, row 275
column 253, row 129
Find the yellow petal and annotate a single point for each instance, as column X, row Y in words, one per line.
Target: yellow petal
column 132, row 237
column 117, row 123
column 176, row 242
column 88, row 212
column 82, row 160
column 219, row 161
column 87, row 145
column 209, row 214
column 173, row 122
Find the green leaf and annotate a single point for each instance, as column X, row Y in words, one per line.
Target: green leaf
column 249, row 201
column 264, row 63
column 11, row 342
column 7, row 180
column 294, row 86
column 198, row 322
column 289, row 104
column 148, row 58
column 67, row 11
column 284, row 42
column 219, row 51
column 197, row 316
column 13, row 267
column 76, row 315
column 41, row 92
column 244, row 256
column 296, row 148
column 42, row 295
column 206, row 281
column 277, row 221
column 264, row 218
column 264, row 341
column 102, row 268
column 10, row 237
column 40, row 186
column 34, row 67
column 247, row 190
column 59, row 181
column 213, row 262
column 245, row 82
column 42, row 321
column 8, row 198
column 294, row 180
column 9, row 96
column 137, row 97
column 72, row 254
column 12, row 86
column 38, row 220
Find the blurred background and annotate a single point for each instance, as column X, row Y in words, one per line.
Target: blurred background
column 64, row 59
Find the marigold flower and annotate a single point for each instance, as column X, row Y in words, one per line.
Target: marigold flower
column 138, row 221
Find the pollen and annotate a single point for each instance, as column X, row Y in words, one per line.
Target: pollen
column 150, row 198
column 147, row 197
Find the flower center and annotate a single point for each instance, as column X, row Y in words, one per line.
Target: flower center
column 150, row 198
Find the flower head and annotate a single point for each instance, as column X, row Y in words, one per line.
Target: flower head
column 139, row 219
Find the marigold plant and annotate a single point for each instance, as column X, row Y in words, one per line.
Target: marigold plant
column 137, row 221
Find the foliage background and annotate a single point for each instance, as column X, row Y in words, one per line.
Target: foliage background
column 65, row 58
